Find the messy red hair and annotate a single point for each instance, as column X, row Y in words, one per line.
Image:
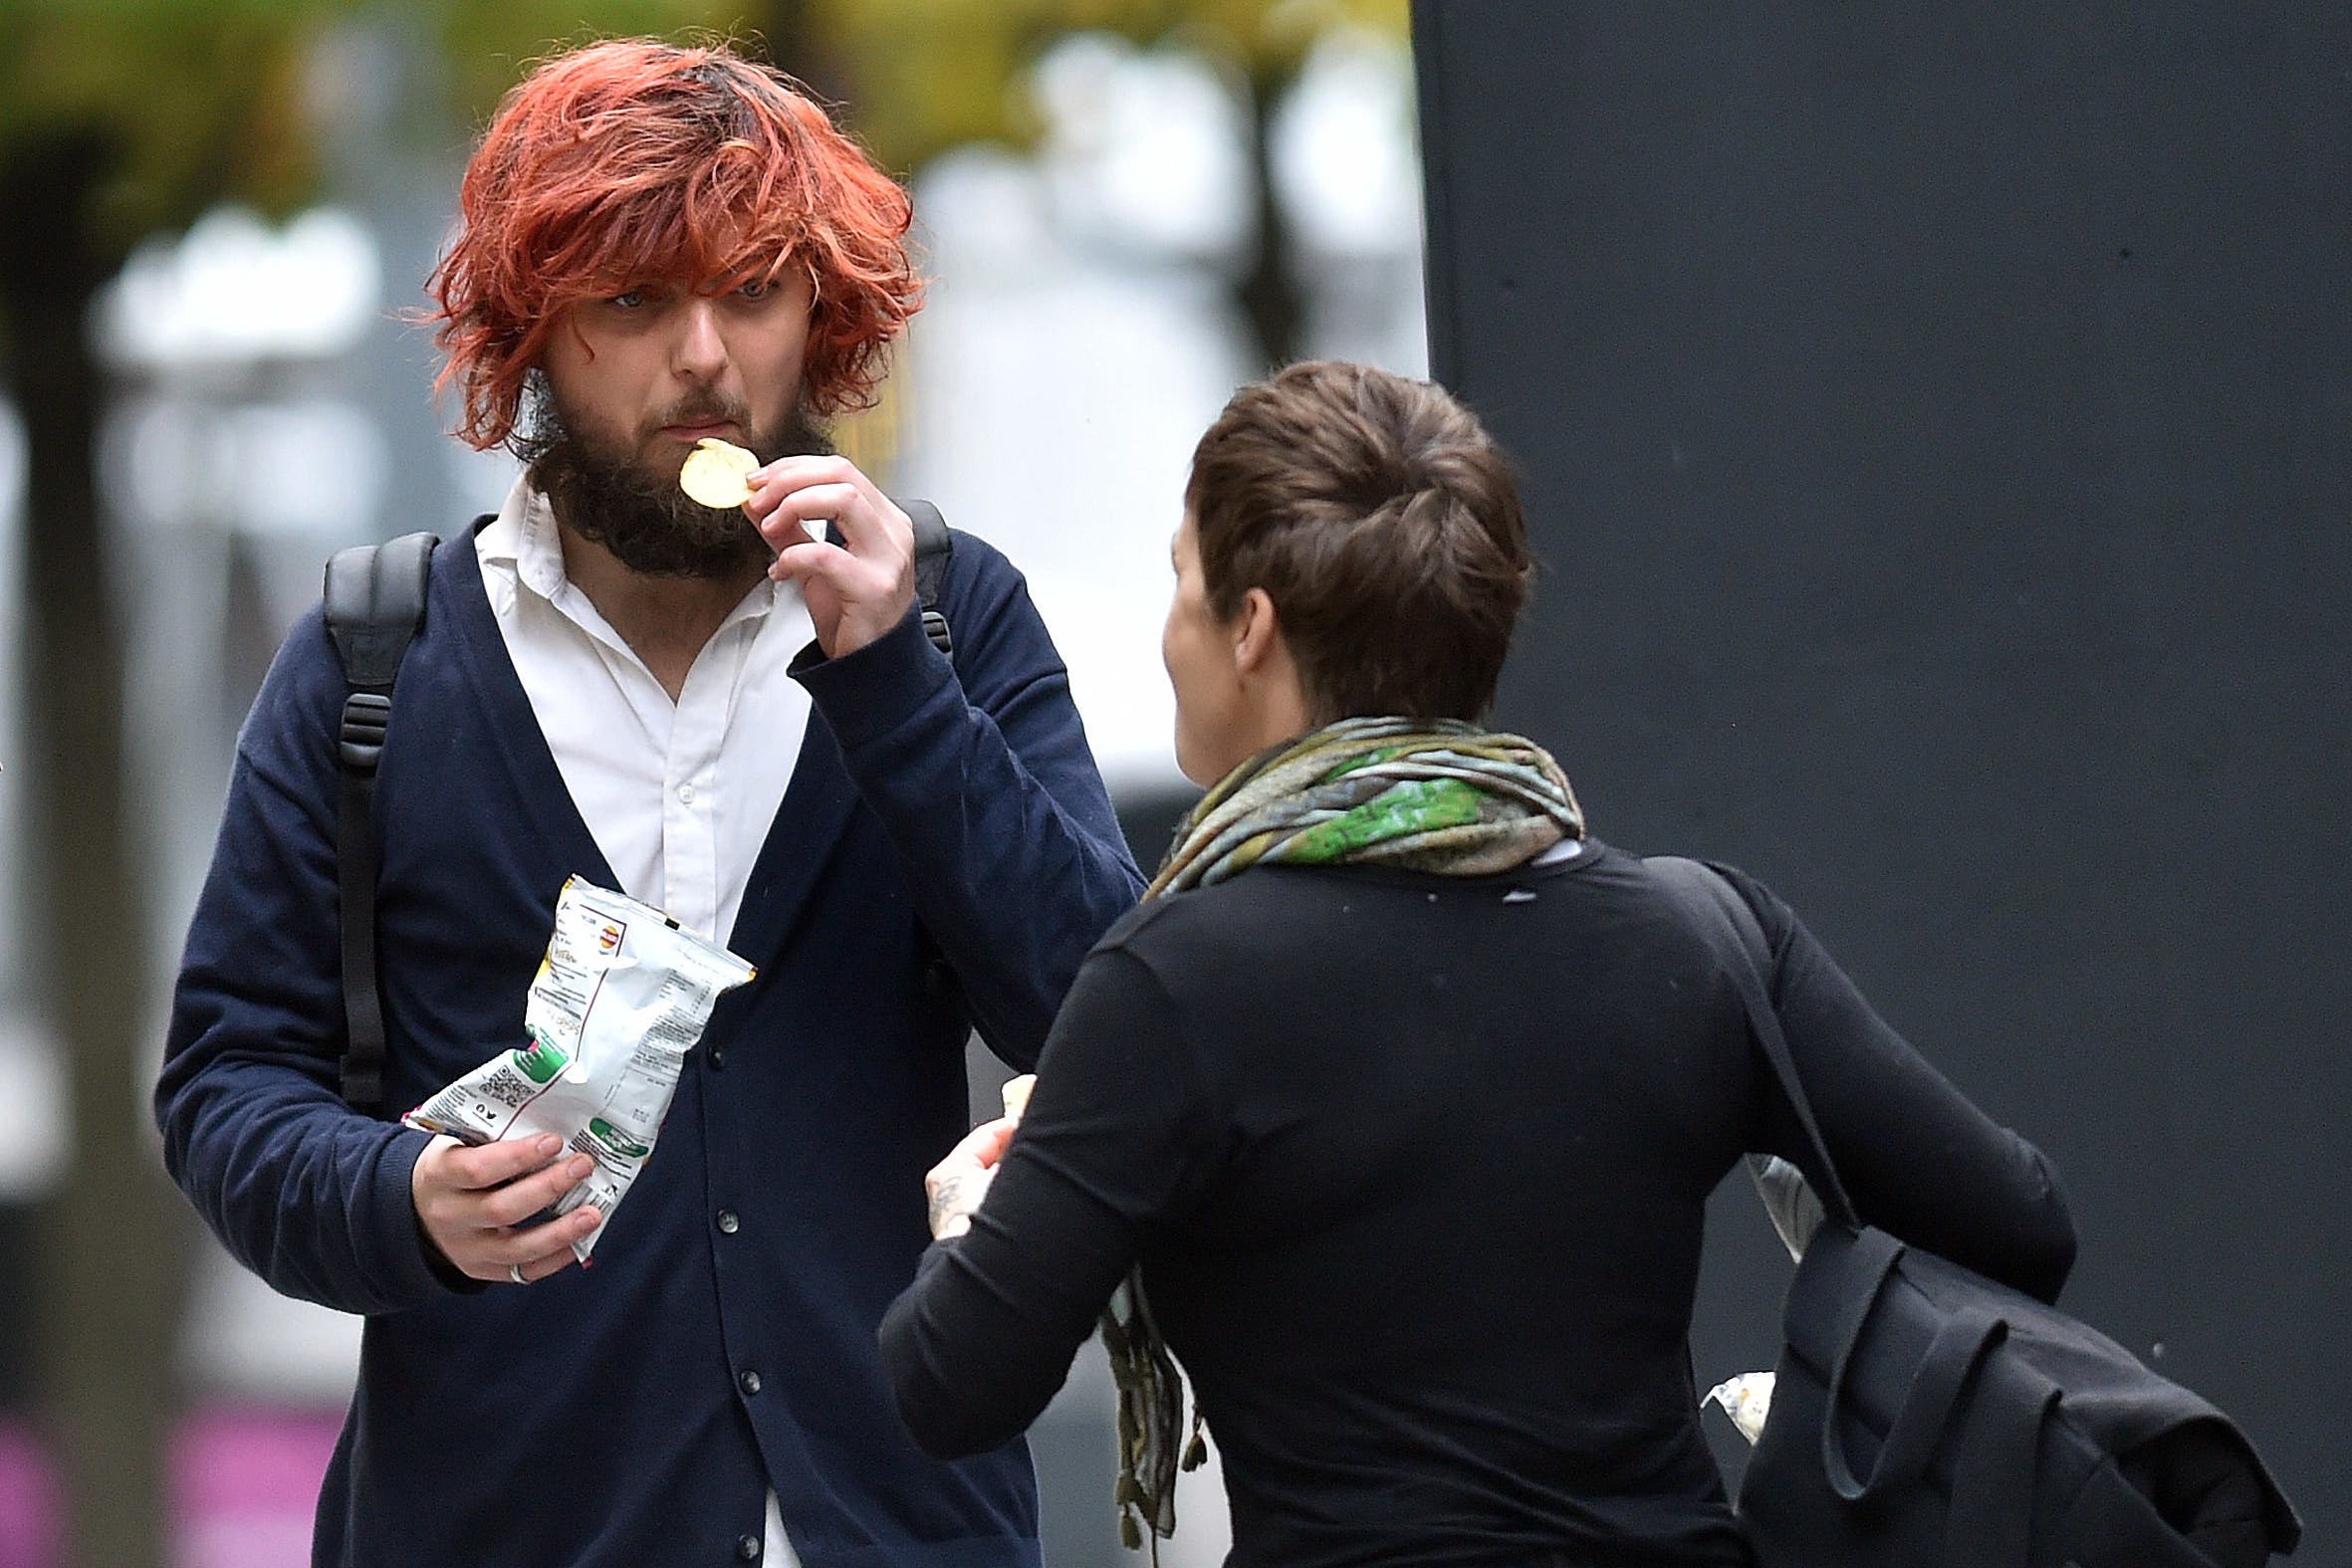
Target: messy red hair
column 633, row 161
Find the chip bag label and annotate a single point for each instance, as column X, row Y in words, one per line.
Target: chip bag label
column 621, row 997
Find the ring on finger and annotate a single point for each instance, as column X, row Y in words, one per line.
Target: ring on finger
column 514, row 1272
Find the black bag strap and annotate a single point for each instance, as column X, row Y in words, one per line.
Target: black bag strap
column 1720, row 911
column 934, row 547
column 1952, row 1359
column 1997, row 1471
column 1990, row 1519
column 1993, row 1488
column 375, row 600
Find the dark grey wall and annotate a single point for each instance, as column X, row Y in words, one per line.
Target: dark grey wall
column 1938, row 425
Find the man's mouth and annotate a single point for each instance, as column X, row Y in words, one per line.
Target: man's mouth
column 691, row 431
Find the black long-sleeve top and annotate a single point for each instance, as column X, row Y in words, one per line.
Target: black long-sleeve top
column 1416, row 1168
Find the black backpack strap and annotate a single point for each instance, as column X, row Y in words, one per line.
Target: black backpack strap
column 934, row 547
column 375, row 598
column 1716, row 908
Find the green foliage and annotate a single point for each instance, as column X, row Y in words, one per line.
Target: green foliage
column 490, row 45
column 197, row 99
column 205, row 100
column 927, row 75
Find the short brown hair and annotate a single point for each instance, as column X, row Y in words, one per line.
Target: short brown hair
column 1384, row 524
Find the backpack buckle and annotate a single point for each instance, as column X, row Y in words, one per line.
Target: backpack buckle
column 365, row 715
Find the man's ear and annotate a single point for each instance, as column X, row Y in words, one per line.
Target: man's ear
column 1258, row 635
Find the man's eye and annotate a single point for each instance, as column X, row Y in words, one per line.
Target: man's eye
column 629, row 298
column 756, row 288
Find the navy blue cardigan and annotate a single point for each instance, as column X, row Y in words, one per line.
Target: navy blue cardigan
column 944, row 856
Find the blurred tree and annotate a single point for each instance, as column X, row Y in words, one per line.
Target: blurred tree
column 923, row 76
column 490, row 45
column 120, row 119
column 793, row 37
column 114, row 120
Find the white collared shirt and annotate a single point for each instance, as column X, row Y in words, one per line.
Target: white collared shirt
column 678, row 796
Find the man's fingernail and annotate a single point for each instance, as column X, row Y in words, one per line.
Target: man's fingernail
column 547, row 1146
column 589, row 1220
column 581, row 1165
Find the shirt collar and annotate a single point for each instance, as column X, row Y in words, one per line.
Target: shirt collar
column 524, row 537
column 496, row 545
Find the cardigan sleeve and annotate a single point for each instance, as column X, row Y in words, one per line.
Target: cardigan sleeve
column 1120, row 1137
column 980, row 773
column 1918, row 1158
column 304, row 1191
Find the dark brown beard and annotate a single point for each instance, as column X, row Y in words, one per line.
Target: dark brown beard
column 648, row 524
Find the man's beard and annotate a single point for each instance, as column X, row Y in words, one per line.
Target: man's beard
column 651, row 526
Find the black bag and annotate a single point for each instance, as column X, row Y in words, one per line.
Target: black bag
column 1923, row 1414
column 374, row 607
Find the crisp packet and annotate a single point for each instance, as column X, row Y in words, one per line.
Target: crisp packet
column 1746, row 1399
column 620, row 998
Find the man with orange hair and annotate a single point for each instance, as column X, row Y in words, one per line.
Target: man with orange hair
column 733, row 714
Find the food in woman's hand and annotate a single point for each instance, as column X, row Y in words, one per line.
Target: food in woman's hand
column 717, row 473
column 1746, row 1399
column 1017, row 1094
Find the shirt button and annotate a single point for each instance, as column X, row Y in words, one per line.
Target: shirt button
column 747, row 1547
column 686, row 793
column 718, row 1057
column 728, row 1223
column 749, row 1382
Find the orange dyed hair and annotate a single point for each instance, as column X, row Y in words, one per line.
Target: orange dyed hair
column 631, row 161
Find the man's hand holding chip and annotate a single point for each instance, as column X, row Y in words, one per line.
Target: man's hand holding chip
column 860, row 582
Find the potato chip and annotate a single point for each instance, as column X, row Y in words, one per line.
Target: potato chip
column 1017, row 1094
column 716, row 473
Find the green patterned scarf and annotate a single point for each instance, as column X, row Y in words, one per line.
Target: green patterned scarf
column 1440, row 796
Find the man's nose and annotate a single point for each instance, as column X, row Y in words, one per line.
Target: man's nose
column 699, row 351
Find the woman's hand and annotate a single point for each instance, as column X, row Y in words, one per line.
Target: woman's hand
column 958, row 1183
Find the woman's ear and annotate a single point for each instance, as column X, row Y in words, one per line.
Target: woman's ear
column 1258, row 632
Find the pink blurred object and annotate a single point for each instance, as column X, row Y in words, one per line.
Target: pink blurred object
column 245, row 1484
column 28, row 1501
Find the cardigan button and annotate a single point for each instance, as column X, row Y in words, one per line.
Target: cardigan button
column 728, row 1223
column 748, row 1380
column 747, row 1547
column 716, row 1056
